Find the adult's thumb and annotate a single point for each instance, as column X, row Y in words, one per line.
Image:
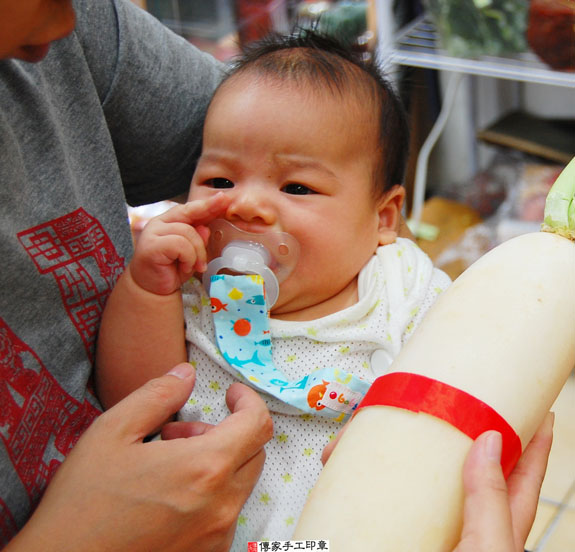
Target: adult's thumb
column 487, row 517
column 146, row 408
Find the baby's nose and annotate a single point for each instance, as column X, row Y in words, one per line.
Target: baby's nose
column 251, row 205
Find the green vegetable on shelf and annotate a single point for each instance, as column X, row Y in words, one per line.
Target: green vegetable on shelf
column 471, row 28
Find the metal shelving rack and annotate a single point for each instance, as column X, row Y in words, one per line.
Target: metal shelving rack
column 417, row 45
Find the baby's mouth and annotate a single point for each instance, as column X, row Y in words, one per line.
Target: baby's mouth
column 273, row 255
column 249, row 227
column 282, row 248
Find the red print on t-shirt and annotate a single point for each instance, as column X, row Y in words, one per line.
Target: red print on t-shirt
column 39, row 421
column 79, row 254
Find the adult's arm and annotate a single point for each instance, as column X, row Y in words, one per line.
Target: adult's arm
column 115, row 492
column 154, row 87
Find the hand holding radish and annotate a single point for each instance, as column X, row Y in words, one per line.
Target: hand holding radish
column 498, row 515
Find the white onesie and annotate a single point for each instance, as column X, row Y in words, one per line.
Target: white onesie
column 395, row 288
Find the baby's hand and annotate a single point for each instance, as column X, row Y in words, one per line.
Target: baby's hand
column 172, row 246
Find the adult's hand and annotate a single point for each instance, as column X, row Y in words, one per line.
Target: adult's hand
column 115, row 492
column 498, row 515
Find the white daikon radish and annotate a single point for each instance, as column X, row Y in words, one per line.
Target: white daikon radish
column 504, row 332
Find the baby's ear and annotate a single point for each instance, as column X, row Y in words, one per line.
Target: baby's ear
column 389, row 210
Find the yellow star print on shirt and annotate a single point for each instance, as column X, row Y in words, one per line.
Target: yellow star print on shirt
column 242, row 520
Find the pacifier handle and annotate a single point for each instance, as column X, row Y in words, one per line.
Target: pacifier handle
column 245, row 258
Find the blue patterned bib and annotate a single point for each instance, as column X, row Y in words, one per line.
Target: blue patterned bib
column 242, row 331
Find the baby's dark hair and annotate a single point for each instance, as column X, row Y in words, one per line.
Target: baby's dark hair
column 311, row 58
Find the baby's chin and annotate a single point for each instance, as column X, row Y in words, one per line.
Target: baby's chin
column 295, row 310
column 301, row 310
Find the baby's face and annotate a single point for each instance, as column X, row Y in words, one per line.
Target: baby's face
column 297, row 162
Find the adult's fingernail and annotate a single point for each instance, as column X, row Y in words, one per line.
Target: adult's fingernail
column 182, row 371
column 493, row 445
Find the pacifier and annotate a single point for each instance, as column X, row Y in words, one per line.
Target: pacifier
column 272, row 255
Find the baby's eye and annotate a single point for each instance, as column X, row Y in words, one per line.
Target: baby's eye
column 219, row 183
column 297, row 189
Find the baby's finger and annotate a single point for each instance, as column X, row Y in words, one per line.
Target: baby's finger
column 192, row 255
column 168, row 249
column 199, row 211
column 204, row 232
column 197, row 235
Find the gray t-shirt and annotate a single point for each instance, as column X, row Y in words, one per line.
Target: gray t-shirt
column 113, row 114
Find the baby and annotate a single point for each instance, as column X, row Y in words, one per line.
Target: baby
column 300, row 138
